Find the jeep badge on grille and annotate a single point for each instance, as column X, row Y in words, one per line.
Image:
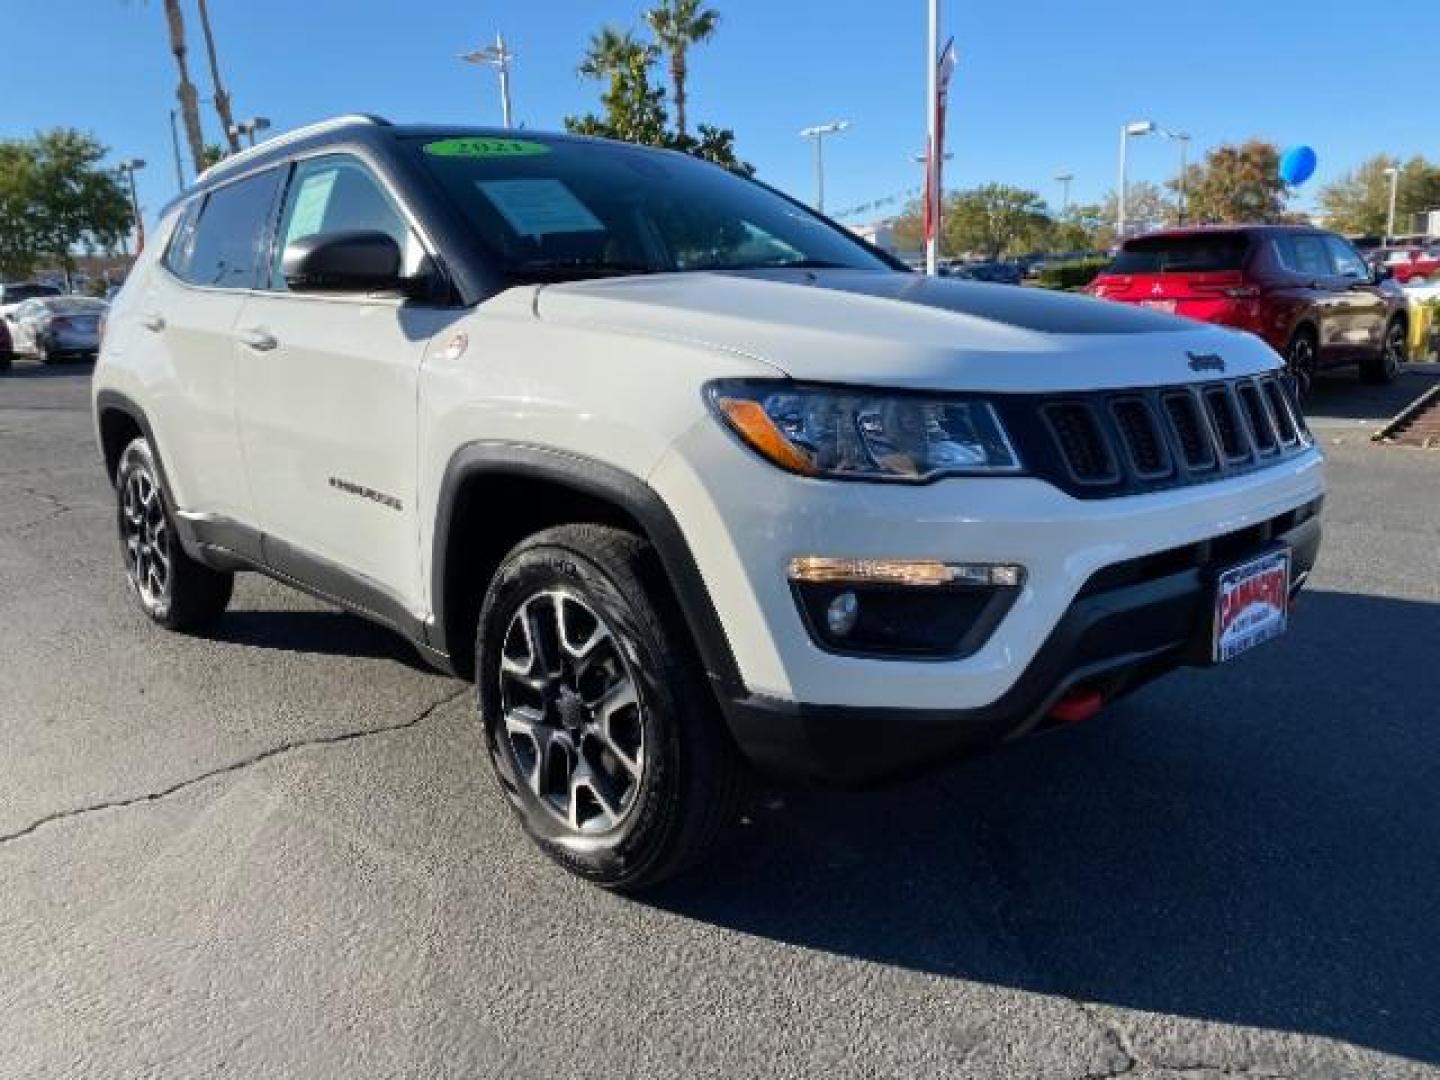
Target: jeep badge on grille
column 1206, row 361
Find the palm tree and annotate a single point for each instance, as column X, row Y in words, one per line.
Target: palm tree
column 222, row 99
column 678, row 24
column 610, row 51
column 189, row 100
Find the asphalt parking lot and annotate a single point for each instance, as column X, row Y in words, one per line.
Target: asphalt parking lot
column 277, row 851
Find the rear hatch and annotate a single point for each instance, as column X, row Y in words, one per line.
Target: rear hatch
column 1197, row 275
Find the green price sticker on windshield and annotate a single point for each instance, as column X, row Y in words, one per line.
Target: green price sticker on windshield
column 485, row 148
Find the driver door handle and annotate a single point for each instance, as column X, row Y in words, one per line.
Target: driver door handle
column 153, row 321
column 258, row 338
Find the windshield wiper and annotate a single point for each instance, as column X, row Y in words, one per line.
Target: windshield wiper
column 789, row 264
column 578, row 268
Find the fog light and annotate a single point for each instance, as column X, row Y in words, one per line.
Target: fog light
column 841, row 614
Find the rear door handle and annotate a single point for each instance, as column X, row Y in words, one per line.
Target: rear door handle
column 153, row 321
column 258, row 338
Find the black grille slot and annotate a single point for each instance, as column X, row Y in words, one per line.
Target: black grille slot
column 1257, row 416
column 1141, row 435
column 1082, row 442
column 1221, row 407
column 1280, row 409
column 1196, row 449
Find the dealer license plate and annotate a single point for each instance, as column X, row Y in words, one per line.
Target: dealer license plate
column 1251, row 604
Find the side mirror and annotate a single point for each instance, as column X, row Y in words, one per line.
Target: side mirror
column 357, row 261
column 1383, row 272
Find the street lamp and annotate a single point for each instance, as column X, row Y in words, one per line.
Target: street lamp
column 1133, row 129
column 1394, row 175
column 250, row 127
column 128, row 169
column 818, row 133
column 1064, row 179
column 497, row 56
column 1183, row 138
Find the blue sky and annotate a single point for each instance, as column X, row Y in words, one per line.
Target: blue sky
column 1043, row 85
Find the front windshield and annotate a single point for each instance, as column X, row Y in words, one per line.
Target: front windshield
column 547, row 208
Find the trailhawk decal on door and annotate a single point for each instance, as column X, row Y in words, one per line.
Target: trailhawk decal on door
column 352, row 488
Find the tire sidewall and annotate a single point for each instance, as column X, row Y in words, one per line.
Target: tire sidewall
column 138, row 457
column 623, row 851
column 1304, row 373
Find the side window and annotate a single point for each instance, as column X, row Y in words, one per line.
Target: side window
column 339, row 194
column 1304, row 253
column 230, row 233
column 182, row 241
column 1348, row 262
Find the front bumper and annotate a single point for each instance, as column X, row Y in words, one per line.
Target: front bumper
column 1130, row 624
column 788, row 699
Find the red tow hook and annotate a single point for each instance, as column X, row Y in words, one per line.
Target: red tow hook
column 1076, row 705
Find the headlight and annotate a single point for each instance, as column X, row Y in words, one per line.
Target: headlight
column 843, row 432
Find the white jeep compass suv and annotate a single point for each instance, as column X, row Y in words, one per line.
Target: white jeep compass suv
column 685, row 476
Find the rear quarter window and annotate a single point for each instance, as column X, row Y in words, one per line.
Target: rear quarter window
column 223, row 246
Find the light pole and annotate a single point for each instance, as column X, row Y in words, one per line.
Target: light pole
column 175, row 149
column 1134, row 128
column 497, row 56
column 1394, row 175
column 1183, row 138
column 249, row 127
column 1064, row 179
column 128, row 169
column 818, row 133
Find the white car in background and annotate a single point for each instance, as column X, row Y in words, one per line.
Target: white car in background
column 688, row 478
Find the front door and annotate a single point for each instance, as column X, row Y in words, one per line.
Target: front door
column 328, row 387
column 1364, row 305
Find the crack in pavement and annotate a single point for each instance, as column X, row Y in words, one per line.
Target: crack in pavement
column 237, row 766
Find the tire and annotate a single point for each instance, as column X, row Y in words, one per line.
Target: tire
column 171, row 588
column 624, row 798
column 1384, row 367
column 7, row 361
column 1302, row 360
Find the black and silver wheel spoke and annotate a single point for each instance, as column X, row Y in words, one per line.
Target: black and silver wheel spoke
column 146, row 536
column 571, row 712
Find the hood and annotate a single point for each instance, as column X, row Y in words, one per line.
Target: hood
column 908, row 330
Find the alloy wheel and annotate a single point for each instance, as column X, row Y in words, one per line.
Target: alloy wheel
column 146, row 534
column 571, row 712
column 1301, row 363
column 1394, row 349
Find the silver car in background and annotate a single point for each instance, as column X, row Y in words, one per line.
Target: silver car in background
column 54, row 328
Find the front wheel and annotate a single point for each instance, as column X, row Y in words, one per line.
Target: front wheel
column 601, row 728
column 171, row 588
column 1385, row 367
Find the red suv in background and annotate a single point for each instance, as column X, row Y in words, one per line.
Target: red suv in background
column 1411, row 265
column 1305, row 291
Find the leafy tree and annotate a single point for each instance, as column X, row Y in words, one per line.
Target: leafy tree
column 994, row 219
column 1359, row 201
column 633, row 108
column 678, row 24
column 1146, row 208
column 56, row 198
column 1236, row 183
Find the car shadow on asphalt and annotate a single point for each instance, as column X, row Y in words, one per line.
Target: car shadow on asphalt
column 1256, row 845
column 36, row 370
column 323, row 633
column 1342, row 396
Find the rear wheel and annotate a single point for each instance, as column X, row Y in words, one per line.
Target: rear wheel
column 171, row 588
column 1302, row 360
column 7, row 360
column 1385, row 366
column 600, row 725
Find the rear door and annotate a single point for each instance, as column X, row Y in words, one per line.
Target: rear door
column 186, row 316
column 328, row 398
column 1322, row 295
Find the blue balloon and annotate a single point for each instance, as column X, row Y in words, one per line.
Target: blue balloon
column 1297, row 165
